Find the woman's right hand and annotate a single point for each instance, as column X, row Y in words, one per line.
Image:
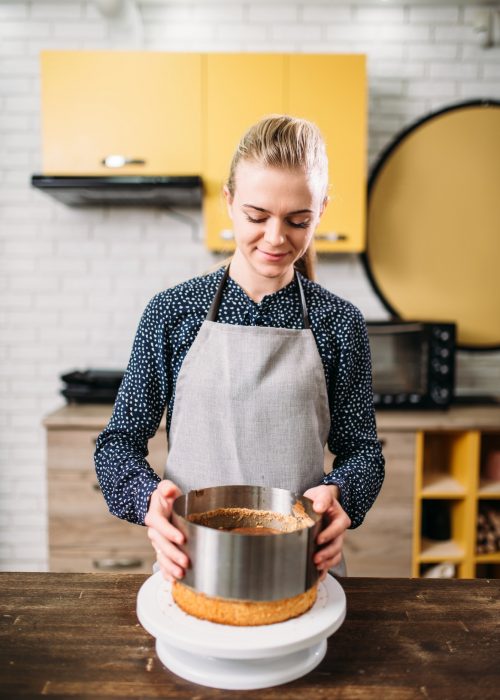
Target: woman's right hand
column 164, row 537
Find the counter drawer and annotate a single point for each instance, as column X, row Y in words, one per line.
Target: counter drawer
column 382, row 545
column 80, row 517
column 74, row 449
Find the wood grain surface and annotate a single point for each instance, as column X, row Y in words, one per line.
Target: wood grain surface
column 77, row 636
column 96, row 416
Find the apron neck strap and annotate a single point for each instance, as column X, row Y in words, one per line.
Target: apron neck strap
column 214, row 308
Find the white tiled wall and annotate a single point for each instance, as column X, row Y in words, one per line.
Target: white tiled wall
column 73, row 283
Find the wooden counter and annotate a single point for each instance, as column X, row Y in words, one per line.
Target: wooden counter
column 77, row 635
column 388, row 543
column 95, row 416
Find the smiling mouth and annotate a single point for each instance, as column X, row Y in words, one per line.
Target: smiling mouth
column 272, row 256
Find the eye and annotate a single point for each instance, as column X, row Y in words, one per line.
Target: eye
column 303, row 224
column 254, row 221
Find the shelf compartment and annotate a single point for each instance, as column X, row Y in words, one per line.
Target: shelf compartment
column 489, row 476
column 441, row 569
column 488, row 489
column 487, row 544
column 490, row 558
column 443, row 533
column 448, row 461
column 488, row 570
column 439, row 485
column 436, row 551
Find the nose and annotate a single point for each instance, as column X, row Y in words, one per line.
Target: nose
column 274, row 234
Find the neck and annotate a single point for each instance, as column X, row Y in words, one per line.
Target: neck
column 255, row 285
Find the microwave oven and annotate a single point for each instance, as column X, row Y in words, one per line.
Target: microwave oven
column 413, row 363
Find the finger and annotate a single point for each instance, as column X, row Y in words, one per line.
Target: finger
column 160, row 540
column 165, row 528
column 169, row 569
column 334, row 529
column 330, row 563
column 170, row 557
column 170, row 552
column 335, row 561
column 321, row 503
column 168, row 490
column 323, row 558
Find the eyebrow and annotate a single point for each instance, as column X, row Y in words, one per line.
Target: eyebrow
column 290, row 213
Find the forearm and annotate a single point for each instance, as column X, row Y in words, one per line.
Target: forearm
column 359, row 476
column 125, row 477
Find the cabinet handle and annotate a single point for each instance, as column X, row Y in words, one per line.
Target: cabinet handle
column 96, row 486
column 228, row 235
column 117, row 564
column 118, row 161
column 331, row 236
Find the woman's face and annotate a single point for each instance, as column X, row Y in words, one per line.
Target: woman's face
column 275, row 213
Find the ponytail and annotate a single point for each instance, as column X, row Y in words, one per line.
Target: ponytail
column 306, row 264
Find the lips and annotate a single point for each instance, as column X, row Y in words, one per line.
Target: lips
column 272, row 257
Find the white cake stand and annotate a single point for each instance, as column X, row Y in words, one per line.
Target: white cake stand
column 239, row 658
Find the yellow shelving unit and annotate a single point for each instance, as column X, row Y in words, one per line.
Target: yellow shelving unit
column 450, row 484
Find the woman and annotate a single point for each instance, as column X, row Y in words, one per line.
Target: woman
column 258, row 366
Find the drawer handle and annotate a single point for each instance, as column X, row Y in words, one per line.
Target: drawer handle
column 331, row 236
column 119, row 161
column 117, row 564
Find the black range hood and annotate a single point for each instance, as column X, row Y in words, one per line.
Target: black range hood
column 122, row 189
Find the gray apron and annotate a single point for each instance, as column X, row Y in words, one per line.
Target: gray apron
column 251, row 407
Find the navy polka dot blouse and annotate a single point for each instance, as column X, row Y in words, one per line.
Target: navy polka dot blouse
column 166, row 331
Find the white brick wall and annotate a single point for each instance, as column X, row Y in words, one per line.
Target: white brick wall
column 73, row 284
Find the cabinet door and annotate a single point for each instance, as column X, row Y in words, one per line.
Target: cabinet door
column 330, row 90
column 240, row 89
column 141, row 105
column 83, row 535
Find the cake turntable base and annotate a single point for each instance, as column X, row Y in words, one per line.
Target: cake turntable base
column 239, row 658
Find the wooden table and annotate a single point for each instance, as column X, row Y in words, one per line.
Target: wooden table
column 77, row 635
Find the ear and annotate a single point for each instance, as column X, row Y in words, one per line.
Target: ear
column 324, row 204
column 229, row 201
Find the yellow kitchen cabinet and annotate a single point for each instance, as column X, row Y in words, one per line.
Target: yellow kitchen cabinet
column 240, row 89
column 145, row 106
column 327, row 89
column 330, row 90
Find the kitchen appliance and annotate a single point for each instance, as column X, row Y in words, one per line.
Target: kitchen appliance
column 91, row 385
column 413, row 363
column 239, row 658
column 224, row 564
column 122, row 190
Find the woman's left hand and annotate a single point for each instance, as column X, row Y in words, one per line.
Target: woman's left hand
column 331, row 538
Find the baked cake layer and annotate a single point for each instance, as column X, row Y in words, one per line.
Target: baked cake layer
column 226, row 611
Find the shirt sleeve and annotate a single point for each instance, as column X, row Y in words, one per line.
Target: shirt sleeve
column 125, row 477
column 358, row 468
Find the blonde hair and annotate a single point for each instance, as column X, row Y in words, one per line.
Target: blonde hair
column 282, row 141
